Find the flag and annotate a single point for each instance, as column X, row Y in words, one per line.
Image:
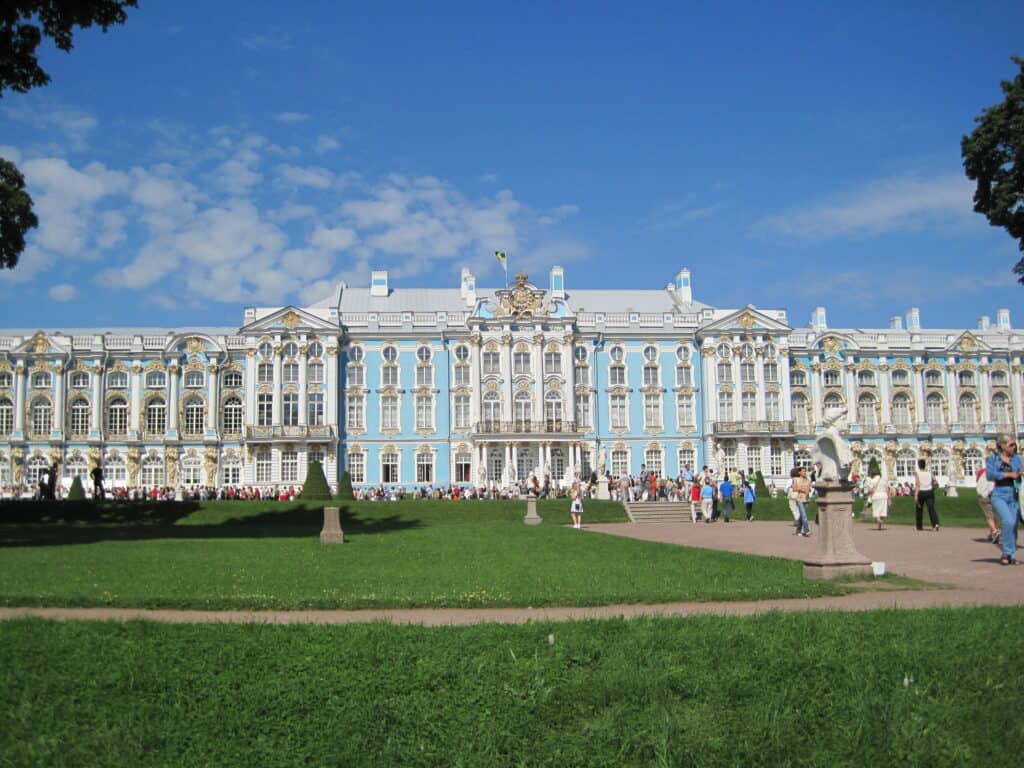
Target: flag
column 500, row 256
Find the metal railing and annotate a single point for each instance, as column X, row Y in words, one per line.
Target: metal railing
column 515, row 427
column 752, row 427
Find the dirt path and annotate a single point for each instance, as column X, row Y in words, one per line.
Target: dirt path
column 958, row 557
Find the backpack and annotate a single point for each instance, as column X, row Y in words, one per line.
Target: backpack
column 984, row 487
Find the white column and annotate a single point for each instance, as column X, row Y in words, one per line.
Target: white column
column 302, row 386
column 786, row 406
column 954, row 406
column 851, row 396
column 212, row 407
column 537, row 364
column 710, row 378
column 136, row 395
column 884, row 393
column 984, row 392
column 58, row 399
column 1015, row 387
column 97, row 400
column 570, row 377
column 277, row 387
column 475, row 407
column 919, row 393
column 19, row 397
column 760, row 411
column 331, row 387
column 815, row 395
column 250, row 387
column 172, row 405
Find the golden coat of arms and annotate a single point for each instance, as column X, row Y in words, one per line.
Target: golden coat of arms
column 521, row 300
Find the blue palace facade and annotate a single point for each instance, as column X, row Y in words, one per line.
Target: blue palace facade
column 473, row 386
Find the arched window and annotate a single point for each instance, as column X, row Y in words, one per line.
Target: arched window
column 973, row 462
column 652, row 457
column 232, row 419
column 156, row 417
column 620, row 463
column 117, row 416
column 76, row 466
column 522, row 412
column 866, row 378
column 934, row 411
column 798, row 378
column 34, row 467
column 867, row 411
column 117, row 380
column 906, row 463
column 42, row 417
column 191, row 471
column 998, row 378
column 6, row 416
column 866, row 457
column 152, row 471
column 901, row 411
column 900, row 377
column 801, row 413
column 553, row 412
column 968, row 409
column 939, row 463
column 79, row 380
column 42, row 380
column 725, row 403
column 156, row 380
column 831, row 402
column 194, row 379
column 195, row 416
column 232, row 380
column 115, row 471
column 832, row 377
column 1001, row 410
column 230, row 471
column 79, row 413
column 966, row 378
column 933, row 378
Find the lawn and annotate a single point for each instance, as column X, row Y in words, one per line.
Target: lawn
column 913, row 688
column 249, row 555
column 961, row 511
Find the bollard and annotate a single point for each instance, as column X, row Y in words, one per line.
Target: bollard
column 332, row 533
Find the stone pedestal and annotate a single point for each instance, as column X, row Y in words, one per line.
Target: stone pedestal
column 951, row 491
column 837, row 555
column 332, row 533
column 602, row 488
column 532, row 518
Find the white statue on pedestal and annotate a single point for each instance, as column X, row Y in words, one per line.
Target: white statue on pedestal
column 832, row 451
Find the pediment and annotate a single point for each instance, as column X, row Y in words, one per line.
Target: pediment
column 289, row 319
column 968, row 344
column 748, row 320
column 39, row 344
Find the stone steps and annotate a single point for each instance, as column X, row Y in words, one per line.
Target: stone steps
column 659, row 512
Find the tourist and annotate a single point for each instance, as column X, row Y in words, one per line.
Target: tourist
column 1003, row 469
column 749, row 497
column 694, row 500
column 707, row 499
column 876, row 493
column 576, row 510
column 725, row 491
column 924, row 493
column 799, row 496
column 984, row 487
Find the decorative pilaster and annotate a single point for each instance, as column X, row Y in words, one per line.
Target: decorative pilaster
column 172, row 405
column 96, row 414
column 136, row 395
column 276, row 421
column 19, row 399
column 213, row 408
column 302, row 385
column 58, row 402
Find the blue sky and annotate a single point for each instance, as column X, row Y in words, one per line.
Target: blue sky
column 207, row 156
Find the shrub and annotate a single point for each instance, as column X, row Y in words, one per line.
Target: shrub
column 345, row 487
column 759, row 485
column 77, row 492
column 315, row 487
column 873, row 467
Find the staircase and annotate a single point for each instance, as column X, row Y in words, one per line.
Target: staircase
column 659, row 511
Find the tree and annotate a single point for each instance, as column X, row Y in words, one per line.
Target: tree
column 76, row 492
column 759, row 486
column 994, row 158
column 345, row 487
column 315, row 488
column 874, row 468
column 23, row 24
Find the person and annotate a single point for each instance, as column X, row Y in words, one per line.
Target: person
column 97, row 483
column 694, row 500
column 725, row 491
column 576, row 510
column 51, row 489
column 984, row 488
column 877, row 492
column 749, row 497
column 801, row 494
column 1003, row 469
column 707, row 496
column 924, row 493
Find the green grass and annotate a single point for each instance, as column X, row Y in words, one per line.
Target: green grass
column 961, row 511
column 411, row 554
column 915, row 688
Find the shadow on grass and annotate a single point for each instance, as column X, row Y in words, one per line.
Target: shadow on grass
column 33, row 524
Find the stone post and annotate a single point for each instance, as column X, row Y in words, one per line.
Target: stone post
column 332, row 533
column 532, row 518
column 837, row 555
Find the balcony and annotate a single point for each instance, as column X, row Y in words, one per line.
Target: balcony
column 292, row 432
column 549, row 427
column 753, row 427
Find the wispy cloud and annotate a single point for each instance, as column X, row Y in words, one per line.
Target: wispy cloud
column 73, row 124
column 897, row 204
column 325, row 144
column 267, row 42
column 311, row 176
column 291, row 117
column 677, row 216
column 63, row 292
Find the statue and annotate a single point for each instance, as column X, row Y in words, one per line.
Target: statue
column 18, row 465
column 210, row 460
column 171, row 459
column 602, row 459
column 832, row 451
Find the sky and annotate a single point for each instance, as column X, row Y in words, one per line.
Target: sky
column 207, row 156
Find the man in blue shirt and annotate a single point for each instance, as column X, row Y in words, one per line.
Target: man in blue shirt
column 725, row 491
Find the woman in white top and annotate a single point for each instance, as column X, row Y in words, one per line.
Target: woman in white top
column 878, row 495
column 924, row 493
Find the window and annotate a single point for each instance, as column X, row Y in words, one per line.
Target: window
column 389, row 376
column 42, row 417
column 194, row 379
column 232, row 380
column 290, row 409
column 231, row 472
column 906, row 463
column 798, row 378
column 682, row 353
column 156, row 380
column 616, row 354
column 725, row 402
column 650, row 354
column 425, row 412
column 939, row 463
column 520, row 363
column 460, row 411
column 266, row 349
column 195, row 416
column 831, row 403
column 684, row 376
column 1001, row 410
column 901, row 411
column 291, row 349
column 117, row 417
column 770, row 351
column 265, row 409
column 617, row 376
column 802, row 458
column 747, row 350
column 866, row 378
column 775, row 460
column 998, row 378
column 389, row 412
column 423, row 354
column 355, row 375
column 357, row 466
column 463, row 467
column 265, row 373
column 316, row 373
column 34, row 467
column 748, row 406
column 315, row 409
column 900, row 378
column 152, row 471
column 389, row 467
column 79, row 421
column 6, row 416
column 522, row 411
column 968, row 408
column 729, row 463
column 232, row 423
column 652, row 411
column 553, row 362
column 620, row 463
column 866, row 411
column 462, row 353
column 579, row 354
column 831, row 377
column 747, row 374
column 553, row 411
column 41, row 380
column 583, row 412
column 115, row 470
column 264, row 466
column 117, row 380
column 754, row 458
column 686, row 458
column 772, row 409
column 390, row 354
column 462, row 375
column 652, row 457
column 424, row 375
column 354, row 411
column 316, row 453
column 933, row 378
column 191, row 471
column 355, row 354
column 966, row 378
column 424, row 467
column 156, row 416
column 79, row 380
column 725, row 373
column 491, row 412
column 934, row 413
column 650, row 375
column 619, row 418
column 771, row 373
column 723, row 351
column 684, row 411
column 973, row 461
column 289, row 466
column 315, row 349
column 290, row 373
column 6, row 380
column 801, row 414
column 491, row 362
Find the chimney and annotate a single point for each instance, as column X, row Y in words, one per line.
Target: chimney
column 468, row 287
column 557, row 283
column 1003, row 319
column 684, row 290
column 984, row 323
column 913, row 319
column 818, row 319
column 379, row 283
column 895, row 323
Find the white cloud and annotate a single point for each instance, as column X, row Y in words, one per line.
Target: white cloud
column 63, row 292
column 337, row 239
column 489, row 178
column 898, row 204
column 677, row 215
column 325, row 144
column 310, row 176
column 10, row 153
column 291, row 212
column 864, row 289
column 291, row 117
column 74, row 125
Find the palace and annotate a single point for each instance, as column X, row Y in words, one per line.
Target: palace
column 416, row 387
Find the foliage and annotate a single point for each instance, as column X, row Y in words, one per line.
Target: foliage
column 994, row 158
column 345, row 487
column 76, row 492
column 315, row 488
column 23, row 25
column 876, row 688
column 760, row 489
column 874, row 468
